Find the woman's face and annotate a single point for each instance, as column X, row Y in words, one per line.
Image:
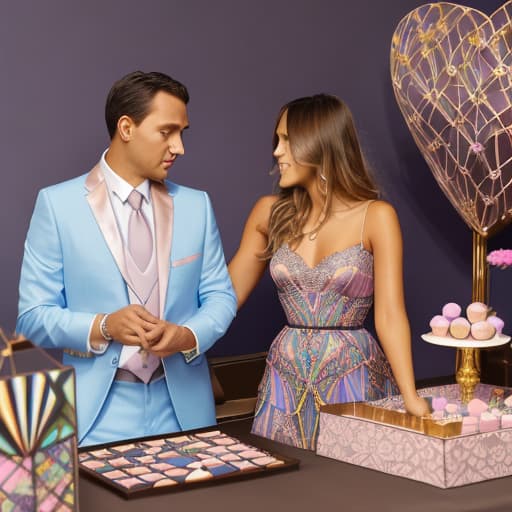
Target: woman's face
column 293, row 174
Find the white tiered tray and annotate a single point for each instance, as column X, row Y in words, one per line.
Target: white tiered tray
column 446, row 341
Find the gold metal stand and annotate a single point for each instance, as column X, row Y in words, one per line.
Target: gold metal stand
column 480, row 279
column 468, row 359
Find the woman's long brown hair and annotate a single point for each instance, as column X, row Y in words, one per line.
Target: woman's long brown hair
column 322, row 135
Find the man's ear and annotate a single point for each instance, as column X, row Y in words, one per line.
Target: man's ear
column 125, row 127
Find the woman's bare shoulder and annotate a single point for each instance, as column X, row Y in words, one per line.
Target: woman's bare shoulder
column 266, row 202
column 380, row 206
column 381, row 211
column 262, row 208
column 382, row 222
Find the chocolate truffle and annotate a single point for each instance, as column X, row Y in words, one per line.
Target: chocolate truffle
column 497, row 322
column 477, row 312
column 483, row 330
column 451, row 310
column 460, row 328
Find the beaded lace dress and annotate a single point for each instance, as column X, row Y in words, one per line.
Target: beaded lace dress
column 307, row 368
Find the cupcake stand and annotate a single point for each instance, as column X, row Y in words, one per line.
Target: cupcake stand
column 468, row 359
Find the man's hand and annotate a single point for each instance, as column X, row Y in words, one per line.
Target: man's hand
column 130, row 324
column 167, row 338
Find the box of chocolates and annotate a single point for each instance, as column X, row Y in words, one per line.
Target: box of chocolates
column 458, row 444
column 178, row 462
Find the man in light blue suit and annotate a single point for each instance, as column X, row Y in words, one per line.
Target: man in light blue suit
column 125, row 271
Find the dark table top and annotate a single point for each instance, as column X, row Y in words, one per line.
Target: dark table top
column 319, row 483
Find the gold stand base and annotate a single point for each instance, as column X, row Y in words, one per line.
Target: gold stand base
column 468, row 359
column 468, row 372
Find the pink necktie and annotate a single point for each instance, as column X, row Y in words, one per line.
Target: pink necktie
column 140, row 246
column 140, row 240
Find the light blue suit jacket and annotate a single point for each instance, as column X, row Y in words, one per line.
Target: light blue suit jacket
column 73, row 268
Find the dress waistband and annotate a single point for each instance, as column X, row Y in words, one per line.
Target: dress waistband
column 327, row 327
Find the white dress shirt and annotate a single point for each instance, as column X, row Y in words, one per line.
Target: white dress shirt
column 118, row 192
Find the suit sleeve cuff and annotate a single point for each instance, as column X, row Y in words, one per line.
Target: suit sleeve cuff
column 191, row 354
column 102, row 347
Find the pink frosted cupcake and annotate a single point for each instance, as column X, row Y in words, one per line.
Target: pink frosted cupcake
column 439, row 325
column 451, row 311
column 460, row 328
column 497, row 322
column 477, row 312
column 483, row 330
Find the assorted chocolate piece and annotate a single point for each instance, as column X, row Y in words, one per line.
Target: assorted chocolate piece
column 177, row 461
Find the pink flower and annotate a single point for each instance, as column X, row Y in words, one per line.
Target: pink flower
column 500, row 258
column 476, row 147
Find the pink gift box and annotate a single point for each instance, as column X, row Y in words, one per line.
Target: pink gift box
column 419, row 449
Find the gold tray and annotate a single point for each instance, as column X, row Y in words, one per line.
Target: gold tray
column 428, row 426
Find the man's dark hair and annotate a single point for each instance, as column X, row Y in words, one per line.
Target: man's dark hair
column 132, row 95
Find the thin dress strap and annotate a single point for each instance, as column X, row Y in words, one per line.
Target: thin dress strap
column 364, row 220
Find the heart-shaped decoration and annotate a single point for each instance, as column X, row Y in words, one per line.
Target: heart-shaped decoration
column 451, row 73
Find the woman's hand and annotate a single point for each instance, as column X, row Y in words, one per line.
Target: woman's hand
column 417, row 406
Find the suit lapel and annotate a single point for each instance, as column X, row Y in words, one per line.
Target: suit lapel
column 99, row 202
column 163, row 211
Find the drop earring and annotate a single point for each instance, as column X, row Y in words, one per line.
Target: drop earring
column 324, row 179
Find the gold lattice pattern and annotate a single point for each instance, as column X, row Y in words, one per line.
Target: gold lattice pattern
column 451, row 72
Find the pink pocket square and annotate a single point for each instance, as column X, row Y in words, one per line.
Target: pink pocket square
column 184, row 261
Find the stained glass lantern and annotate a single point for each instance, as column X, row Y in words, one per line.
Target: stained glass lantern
column 38, row 461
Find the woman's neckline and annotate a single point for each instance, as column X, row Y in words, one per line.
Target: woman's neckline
column 329, row 256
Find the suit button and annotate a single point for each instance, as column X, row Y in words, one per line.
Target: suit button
column 114, row 361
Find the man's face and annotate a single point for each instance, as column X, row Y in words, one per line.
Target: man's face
column 157, row 141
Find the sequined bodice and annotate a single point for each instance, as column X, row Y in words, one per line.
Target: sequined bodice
column 338, row 291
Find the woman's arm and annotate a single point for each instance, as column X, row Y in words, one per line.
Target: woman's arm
column 246, row 268
column 384, row 236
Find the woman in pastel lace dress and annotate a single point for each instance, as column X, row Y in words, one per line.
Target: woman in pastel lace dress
column 333, row 250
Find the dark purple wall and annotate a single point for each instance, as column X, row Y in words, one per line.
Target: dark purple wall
column 241, row 61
